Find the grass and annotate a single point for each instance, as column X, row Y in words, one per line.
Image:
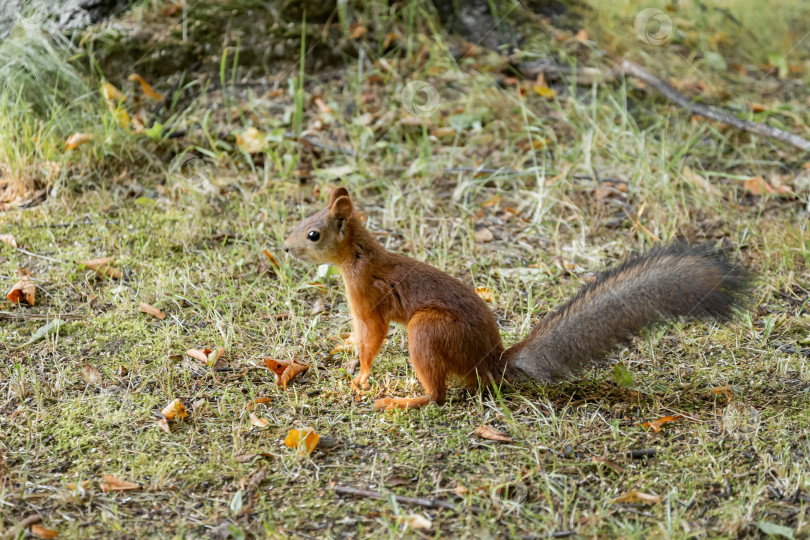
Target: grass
column 197, row 255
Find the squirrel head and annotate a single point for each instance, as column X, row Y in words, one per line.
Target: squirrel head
column 324, row 236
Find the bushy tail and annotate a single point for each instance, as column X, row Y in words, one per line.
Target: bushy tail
column 670, row 282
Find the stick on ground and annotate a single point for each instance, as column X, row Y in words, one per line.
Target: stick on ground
column 418, row 501
column 721, row 115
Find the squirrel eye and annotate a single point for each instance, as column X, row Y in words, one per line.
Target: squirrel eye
column 313, row 236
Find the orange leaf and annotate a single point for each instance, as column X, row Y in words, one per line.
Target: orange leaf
column 112, row 483
column 305, row 440
column 253, row 403
column 270, row 258
column 726, row 390
column 103, row 267
column 173, row 410
column 655, row 425
column 78, row 139
column 357, row 30
column 41, row 532
column 23, row 290
column 637, row 497
column 145, row 88
column 346, row 344
column 285, row 370
column 484, row 293
column 151, row 310
column 492, row 434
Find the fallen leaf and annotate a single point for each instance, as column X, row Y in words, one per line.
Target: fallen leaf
column 8, row 239
column 251, row 141
column 244, row 458
column 346, row 344
column 147, row 90
column 206, row 356
column 615, row 467
column 544, row 92
column 305, row 440
column 50, row 328
column 112, row 483
column 492, row 434
column 91, row 375
column 726, row 390
column 41, row 532
column 484, row 293
column 151, row 310
column 417, row 522
column 622, row 376
column 319, row 306
column 258, row 421
column 759, row 186
column 493, row 201
column 285, row 370
column 80, row 486
column 102, row 266
column 271, row 258
column 774, row 529
column 655, row 425
column 174, row 409
column 637, row 497
column 483, row 235
column 357, row 30
column 23, row 291
column 109, row 91
column 252, row 403
column 78, row 139
column 164, row 425
column 582, row 36
column 121, row 117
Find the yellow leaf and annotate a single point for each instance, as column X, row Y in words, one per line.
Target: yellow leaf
column 121, row 117
column 251, row 141
column 544, row 92
column 145, row 88
column 111, row 92
column 305, row 440
column 78, row 139
column 637, row 497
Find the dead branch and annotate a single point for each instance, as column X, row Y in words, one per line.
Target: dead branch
column 715, row 113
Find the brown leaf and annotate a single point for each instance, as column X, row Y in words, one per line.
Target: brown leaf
column 205, row 355
column 252, row 403
column 483, row 235
column 492, row 434
column 147, row 90
column 41, row 532
column 726, row 390
column 258, row 421
column 23, row 291
column 637, row 497
column 615, row 467
column 655, row 425
column 285, row 370
column 244, row 458
column 759, row 186
column 174, row 409
column 78, row 139
column 700, row 182
column 102, row 266
column 357, row 31
column 91, row 375
column 164, row 425
column 304, row 439
column 151, row 310
column 346, row 344
column 112, row 483
column 8, row 239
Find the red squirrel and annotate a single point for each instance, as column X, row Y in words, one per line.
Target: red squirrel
column 452, row 332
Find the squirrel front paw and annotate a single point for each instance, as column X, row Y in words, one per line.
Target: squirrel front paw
column 359, row 384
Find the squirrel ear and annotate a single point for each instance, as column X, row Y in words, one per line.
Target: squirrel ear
column 341, row 208
column 337, row 193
